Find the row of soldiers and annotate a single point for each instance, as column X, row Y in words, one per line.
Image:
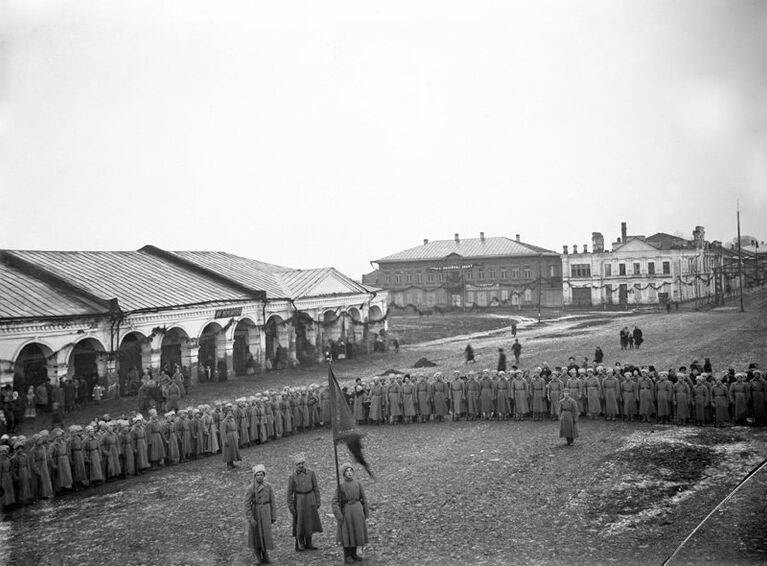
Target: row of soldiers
column 629, row 393
column 63, row 460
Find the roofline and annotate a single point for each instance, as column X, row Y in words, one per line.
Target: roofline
column 257, row 294
column 34, row 270
column 532, row 254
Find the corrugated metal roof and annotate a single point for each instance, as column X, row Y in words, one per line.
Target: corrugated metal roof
column 302, row 282
column 255, row 274
column 467, row 248
column 24, row 296
column 137, row 280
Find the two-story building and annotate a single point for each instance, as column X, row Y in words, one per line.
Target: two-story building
column 466, row 272
column 652, row 270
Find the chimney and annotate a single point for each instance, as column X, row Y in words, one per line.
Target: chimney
column 597, row 242
column 517, row 237
column 482, row 237
column 698, row 236
column 457, row 238
column 585, row 248
column 575, row 248
column 564, row 250
column 623, row 232
column 425, row 241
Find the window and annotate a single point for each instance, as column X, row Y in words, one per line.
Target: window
column 608, row 270
column 621, row 269
column 552, row 271
column 409, row 278
column 651, row 268
column 666, row 268
column 527, row 272
column 580, row 270
column 481, row 275
column 492, row 274
column 637, row 269
column 528, row 295
column 442, row 276
column 398, row 278
column 504, row 275
column 469, row 275
column 504, row 293
column 430, row 277
column 515, row 273
column 388, row 279
column 419, row 277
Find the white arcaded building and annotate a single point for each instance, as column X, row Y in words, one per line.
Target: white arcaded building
column 103, row 313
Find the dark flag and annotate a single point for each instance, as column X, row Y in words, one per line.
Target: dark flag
column 344, row 429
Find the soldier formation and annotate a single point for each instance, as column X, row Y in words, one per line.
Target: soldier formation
column 628, row 393
column 61, row 460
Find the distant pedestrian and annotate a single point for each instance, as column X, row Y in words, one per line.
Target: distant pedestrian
column 638, row 337
column 568, row 417
column 469, row 354
column 598, row 355
column 501, row 360
column 514, row 329
column 516, row 349
column 261, row 513
column 624, row 336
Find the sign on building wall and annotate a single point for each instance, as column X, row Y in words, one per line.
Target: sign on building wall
column 228, row 313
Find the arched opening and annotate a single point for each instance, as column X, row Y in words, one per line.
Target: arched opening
column 31, row 367
column 243, row 359
column 85, row 359
column 306, row 351
column 130, row 362
column 174, row 344
column 276, row 351
column 375, row 314
column 209, row 355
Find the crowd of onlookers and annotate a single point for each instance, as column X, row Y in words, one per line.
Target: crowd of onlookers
column 65, row 459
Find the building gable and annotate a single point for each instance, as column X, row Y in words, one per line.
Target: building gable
column 635, row 245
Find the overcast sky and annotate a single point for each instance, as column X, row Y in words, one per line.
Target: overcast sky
column 333, row 133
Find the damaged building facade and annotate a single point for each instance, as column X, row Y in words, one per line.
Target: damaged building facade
column 653, row 270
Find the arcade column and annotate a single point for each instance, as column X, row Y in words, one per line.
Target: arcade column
column 58, row 366
column 190, row 359
column 292, row 357
column 254, row 345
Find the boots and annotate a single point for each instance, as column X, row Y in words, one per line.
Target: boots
column 299, row 544
column 348, row 557
column 265, row 558
column 308, row 544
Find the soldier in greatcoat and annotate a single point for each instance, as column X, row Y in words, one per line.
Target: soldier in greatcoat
column 303, row 498
column 568, row 417
column 230, row 441
column 260, row 510
column 350, row 508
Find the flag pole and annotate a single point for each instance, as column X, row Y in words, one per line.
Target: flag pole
column 333, row 413
column 740, row 263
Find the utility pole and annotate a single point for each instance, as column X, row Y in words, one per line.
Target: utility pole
column 540, row 285
column 740, row 263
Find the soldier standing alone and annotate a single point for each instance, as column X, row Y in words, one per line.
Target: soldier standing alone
column 303, row 503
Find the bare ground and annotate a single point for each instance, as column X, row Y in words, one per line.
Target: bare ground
column 458, row 493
